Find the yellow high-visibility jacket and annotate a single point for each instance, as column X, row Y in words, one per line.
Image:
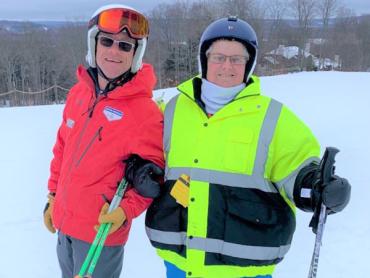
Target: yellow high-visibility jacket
column 242, row 163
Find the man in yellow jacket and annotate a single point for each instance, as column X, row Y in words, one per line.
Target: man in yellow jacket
column 237, row 165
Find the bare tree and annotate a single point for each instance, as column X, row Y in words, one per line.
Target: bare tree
column 304, row 12
column 363, row 33
column 276, row 11
column 326, row 10
column 241, row 8
column 168, row 33
column 250, row 10
column 344, row 39
column 175, row 32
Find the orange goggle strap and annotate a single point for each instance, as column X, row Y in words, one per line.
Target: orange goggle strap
column 115, row 20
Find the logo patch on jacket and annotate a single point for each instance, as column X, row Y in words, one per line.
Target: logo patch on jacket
column 112, row 114
column 70, row 123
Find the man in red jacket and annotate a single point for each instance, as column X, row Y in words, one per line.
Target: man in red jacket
column 111, row 128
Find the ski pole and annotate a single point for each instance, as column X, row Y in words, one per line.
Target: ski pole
column 96, row 247
column 319, row 218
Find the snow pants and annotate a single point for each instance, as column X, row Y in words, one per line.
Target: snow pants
column 174, row 272
column 72, row 253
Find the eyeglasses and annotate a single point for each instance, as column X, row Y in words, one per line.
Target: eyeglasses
column 122, row 45
column 217, row 58
column 115, row 20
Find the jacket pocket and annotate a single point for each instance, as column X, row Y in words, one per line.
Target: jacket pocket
column 237, row 151
column 258, row 224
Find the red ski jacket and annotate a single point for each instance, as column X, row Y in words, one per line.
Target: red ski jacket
column 96, row 135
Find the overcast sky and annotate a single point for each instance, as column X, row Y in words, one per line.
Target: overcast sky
column 83, row 9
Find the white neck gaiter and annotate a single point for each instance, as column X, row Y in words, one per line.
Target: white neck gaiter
column 216, row 97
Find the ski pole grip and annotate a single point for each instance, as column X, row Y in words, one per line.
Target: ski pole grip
column 326, row 172
column 327, row 165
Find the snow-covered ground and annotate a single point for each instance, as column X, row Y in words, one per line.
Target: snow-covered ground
column 335, row 105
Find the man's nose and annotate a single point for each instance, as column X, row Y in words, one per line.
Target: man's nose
column 227, row 64
column 114, row 47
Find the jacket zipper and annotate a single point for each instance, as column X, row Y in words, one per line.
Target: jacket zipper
column 96, row 135
column 90, row 111
column 68, row 177
column 195, row 102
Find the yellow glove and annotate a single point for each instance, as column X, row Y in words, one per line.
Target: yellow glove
column 48, row 211
column 117, row 217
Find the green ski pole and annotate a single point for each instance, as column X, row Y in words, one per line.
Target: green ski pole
column 99, row 248
column 96, row 247
column 91, row 251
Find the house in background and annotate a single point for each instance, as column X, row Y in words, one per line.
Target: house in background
column 284, row 59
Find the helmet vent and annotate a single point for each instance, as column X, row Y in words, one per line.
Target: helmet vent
column 232, row 18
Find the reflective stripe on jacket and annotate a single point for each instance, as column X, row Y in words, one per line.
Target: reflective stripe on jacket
column 242, row 164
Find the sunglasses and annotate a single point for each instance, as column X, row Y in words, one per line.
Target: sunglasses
column 115, row 20
column 122, row 45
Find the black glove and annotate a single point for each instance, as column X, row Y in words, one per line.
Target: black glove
column 308, row 192
column 143, row 175
column 336, row 194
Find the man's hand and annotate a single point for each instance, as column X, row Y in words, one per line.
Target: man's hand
column 336, row 194
column 117, row 217
column 48, row 211
column 309, row 192
column 143, row 175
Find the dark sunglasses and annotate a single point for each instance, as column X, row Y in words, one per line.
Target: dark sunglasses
column 122, row 45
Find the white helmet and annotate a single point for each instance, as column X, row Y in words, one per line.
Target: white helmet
column 141, row 39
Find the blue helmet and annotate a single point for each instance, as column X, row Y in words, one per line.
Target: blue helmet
column 231, row 28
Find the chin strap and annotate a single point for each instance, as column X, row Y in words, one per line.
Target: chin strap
column 113, row 82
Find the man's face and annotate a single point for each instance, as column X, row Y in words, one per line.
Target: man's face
column 112, row 60
column 230, row 72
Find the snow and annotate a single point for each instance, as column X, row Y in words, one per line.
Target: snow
column 334, row 104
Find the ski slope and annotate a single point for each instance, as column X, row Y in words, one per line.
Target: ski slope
column 335, row 105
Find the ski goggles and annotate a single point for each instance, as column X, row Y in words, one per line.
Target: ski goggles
column 115, row 20
column 122, row 45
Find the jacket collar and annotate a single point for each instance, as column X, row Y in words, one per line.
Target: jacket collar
column 141, row 85
column 253, row 88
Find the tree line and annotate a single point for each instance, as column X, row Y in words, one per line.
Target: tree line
column 37, row 59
